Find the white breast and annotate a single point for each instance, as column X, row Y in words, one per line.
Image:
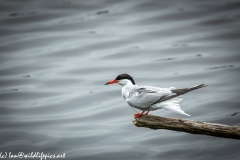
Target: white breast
column 126, row 90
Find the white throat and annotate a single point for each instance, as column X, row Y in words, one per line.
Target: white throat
column 126, row 87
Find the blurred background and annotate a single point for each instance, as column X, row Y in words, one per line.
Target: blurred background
column 56, row 56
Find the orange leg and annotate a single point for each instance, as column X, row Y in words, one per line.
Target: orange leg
column 139, row 114
column 147, row 112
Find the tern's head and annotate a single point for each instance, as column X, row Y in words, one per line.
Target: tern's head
column 122, row 79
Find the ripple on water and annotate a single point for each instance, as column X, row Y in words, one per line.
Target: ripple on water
column 56, row 57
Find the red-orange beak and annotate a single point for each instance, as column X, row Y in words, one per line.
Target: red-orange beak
column 112, row 82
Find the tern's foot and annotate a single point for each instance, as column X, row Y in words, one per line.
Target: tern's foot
column 137, row 115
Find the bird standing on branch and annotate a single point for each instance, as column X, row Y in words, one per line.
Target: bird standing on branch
column 148, row 98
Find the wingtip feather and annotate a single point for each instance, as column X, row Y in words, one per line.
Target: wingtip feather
column 198, row 86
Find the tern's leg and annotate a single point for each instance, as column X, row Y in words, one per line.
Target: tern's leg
column 139, row 114
column 147, row 112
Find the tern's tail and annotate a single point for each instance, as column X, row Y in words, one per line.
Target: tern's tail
column 171, row 104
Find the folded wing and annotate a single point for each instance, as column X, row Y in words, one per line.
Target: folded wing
column 144, row 96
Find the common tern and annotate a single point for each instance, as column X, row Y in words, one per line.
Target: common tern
column 148, row 98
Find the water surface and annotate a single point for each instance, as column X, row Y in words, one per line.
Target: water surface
column 56, row 57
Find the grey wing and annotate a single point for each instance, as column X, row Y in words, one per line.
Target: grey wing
column 143, row 96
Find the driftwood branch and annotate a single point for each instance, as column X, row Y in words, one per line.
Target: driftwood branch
column 189, row 126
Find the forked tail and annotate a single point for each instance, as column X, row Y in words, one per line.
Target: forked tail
column 172, row 105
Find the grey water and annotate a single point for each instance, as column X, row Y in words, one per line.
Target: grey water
column 56, row 56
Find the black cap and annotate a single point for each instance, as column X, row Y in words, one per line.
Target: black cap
column 125, row 76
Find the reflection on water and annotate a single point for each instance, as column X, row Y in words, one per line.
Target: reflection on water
column 56, row 57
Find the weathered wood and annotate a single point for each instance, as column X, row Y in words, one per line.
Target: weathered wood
column 189, row 126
